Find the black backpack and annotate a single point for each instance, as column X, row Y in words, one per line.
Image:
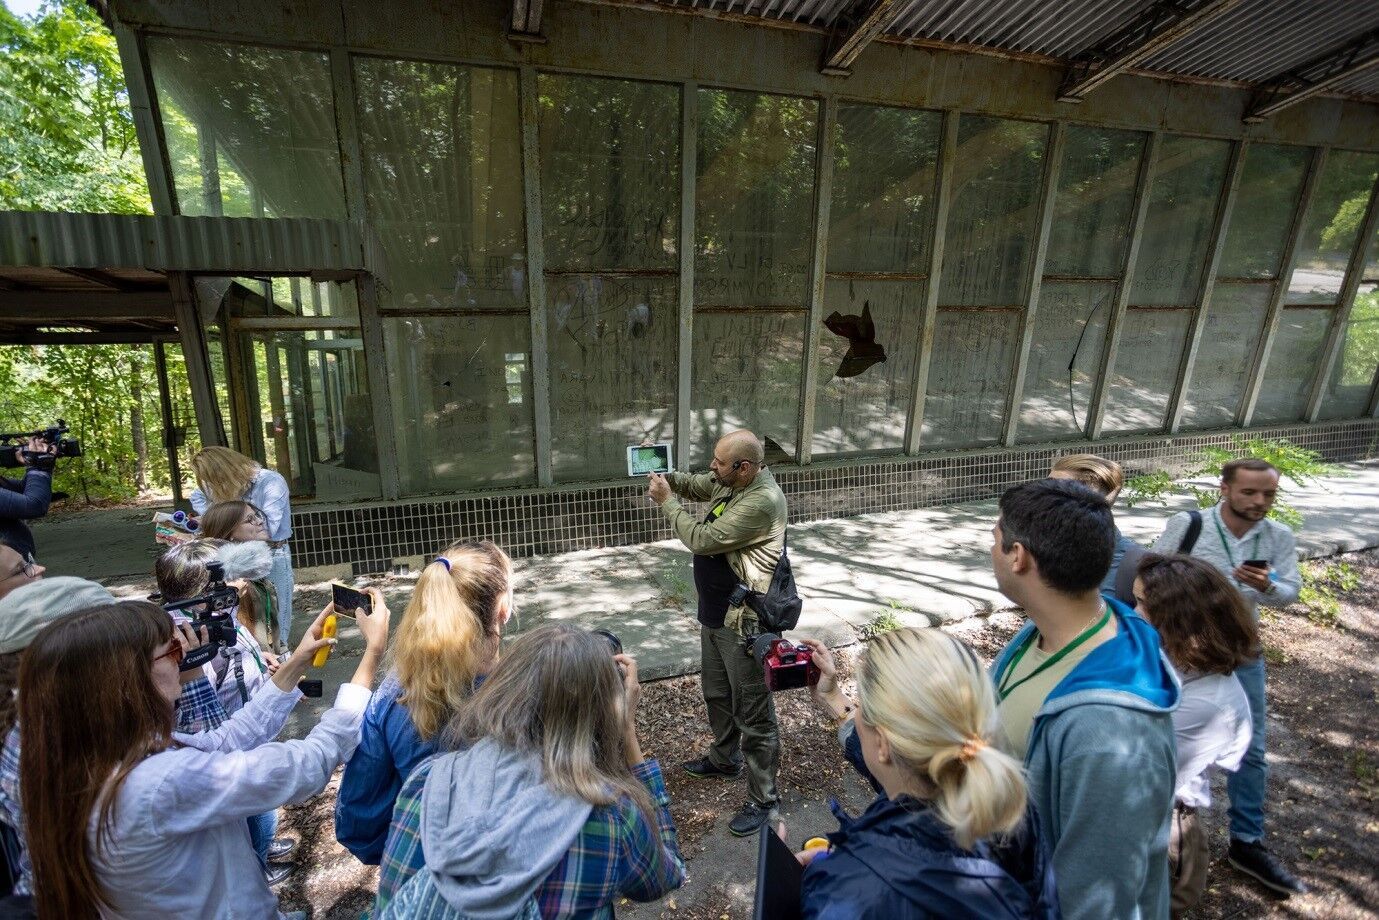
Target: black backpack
column 1130, row 562
column 778, row 608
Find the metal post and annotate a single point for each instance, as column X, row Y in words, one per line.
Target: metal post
column 943, row 194
column 1285, row 275
column 144, row 108
column 1144, row 184
column 193, row 335
column 1216, row 246
column 823, row 201
column 1354, row 269
column 210, row 172
column 536, row 273
column 689, row 146
column 170, row 442
column 376, row 361
column 1053, row 164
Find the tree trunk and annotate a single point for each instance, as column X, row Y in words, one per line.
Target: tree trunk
column 136, row 420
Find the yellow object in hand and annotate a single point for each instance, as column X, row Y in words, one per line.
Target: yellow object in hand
column 816, row 843
column 327, row 632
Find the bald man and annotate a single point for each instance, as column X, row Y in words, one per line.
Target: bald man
column 738, row 542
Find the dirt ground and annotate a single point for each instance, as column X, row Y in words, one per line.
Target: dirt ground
column 1323, row 805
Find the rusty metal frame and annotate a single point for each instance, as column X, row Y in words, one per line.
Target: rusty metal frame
column 854, row 29
column 528, row 102
column 1216, row 246
column 818, row 260
column 1144, row 188
column 1053, row 165
column 1316, row 76
column 1280, row 293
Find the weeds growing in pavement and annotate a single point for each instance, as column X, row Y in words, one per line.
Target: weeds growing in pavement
column 1321, row 580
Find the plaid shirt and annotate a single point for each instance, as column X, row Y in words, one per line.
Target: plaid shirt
column 616, row 853
column 198, row 710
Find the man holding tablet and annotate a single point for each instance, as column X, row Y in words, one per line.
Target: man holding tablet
column 736, row 547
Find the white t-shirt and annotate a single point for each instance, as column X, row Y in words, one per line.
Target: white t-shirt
column 1212, row 728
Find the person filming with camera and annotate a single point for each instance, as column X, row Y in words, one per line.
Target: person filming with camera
column 736, row 548
column 24, row 499
column 128, row 818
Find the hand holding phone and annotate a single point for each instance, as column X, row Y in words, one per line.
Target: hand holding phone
column 1257, row 564
column 347, row 600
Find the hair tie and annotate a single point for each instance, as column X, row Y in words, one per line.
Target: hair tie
column 970, row 748
column 443, row 561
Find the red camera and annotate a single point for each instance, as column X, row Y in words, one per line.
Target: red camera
column 786, row 666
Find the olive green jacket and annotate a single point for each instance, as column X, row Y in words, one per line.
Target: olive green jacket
column 750, row 531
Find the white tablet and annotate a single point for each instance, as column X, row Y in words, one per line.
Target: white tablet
column 644, row 460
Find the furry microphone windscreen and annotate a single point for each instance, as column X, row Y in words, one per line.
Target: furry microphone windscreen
column 246, row 561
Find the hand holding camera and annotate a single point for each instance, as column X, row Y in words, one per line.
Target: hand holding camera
column 41, row 449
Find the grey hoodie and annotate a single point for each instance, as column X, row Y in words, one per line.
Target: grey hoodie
column 492, row 830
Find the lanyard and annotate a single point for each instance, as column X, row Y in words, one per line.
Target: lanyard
column 1005, row 691
column 1225, row 544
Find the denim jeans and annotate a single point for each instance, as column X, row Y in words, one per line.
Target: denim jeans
column 261, row 831
column 281, row 577
column 1246, row 785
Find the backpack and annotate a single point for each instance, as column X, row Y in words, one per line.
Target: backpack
column 1130, row 562
column 420, row 899
column 778, row 607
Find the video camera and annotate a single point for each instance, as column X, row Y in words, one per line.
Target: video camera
column 212, row 610
column 14, row 455
column 785, row 665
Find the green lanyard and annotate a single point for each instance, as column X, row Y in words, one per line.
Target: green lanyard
column 1225, row 544
column 1005, row 691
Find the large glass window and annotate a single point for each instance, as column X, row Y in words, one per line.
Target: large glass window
column 1094, row 203
column 610, row 203
column 1147, row 361
column 1348, row 390
column 250, row 130
column 1287, row 377
column 754, row 197
column 1064, row 358
column 969, row 377
column 880, row 231
column 1266, row 202
column 1225, row 353
column 1331, row 227
column 1188, row 177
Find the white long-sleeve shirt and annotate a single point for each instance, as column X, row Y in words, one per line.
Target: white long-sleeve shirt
column 1212, row 728
column 269, row 493
column 178, row 844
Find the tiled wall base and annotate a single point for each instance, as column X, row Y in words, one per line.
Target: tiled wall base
column 369, row 537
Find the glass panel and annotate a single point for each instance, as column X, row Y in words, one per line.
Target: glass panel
column 443, row 182
column 866, row 364
column 754, row 198
column 1287, row 382
column 1182, row 207
column 310, row 397
column 1064, row 358
column 996, row 179
column 1147, row 361
column 612, row 344
column 1265, row 203
column 881, row 217
column 1348, row 391
column 746, row 375
column 969, row 376
column 610, row 173
column 1234, row 321
column 1331, row 226
column 1095, row 201
column 461, row 391
column 252, row 127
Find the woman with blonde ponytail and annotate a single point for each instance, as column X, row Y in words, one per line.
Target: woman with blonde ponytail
column 445, row 645
column 951, row 833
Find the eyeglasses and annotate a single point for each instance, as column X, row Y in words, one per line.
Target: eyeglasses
column 175, row 653
column 28, row 568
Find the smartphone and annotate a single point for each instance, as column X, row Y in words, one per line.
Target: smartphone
column 1256, row 563
column 347, row 600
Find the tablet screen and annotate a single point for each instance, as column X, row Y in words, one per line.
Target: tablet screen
column 642, row 461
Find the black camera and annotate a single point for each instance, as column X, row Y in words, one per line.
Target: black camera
column 212, row 610
column 14, row 455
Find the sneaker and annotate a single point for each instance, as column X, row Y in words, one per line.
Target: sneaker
column 750, row 819
column 277, row 872
column 704, row 768
column 280, row 847
column 1256, row 861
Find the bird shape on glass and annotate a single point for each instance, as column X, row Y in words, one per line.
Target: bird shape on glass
column 863, row 349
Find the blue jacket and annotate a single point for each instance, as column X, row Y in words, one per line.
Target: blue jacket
column 389, row 747
column 1101, row 767
column 899, row 861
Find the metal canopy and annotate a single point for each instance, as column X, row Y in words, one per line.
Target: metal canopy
column 1239, row 42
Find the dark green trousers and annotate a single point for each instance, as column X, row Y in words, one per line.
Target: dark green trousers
column 741, row 712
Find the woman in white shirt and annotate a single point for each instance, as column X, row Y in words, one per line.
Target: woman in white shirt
column 127, row 818
column 1207, row 632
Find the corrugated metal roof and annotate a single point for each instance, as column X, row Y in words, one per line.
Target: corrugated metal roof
column 1364, row 83
column 1262, row 38
column 1057, row 28
column 205, row 244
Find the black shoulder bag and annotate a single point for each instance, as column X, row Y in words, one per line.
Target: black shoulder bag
column 778, row 608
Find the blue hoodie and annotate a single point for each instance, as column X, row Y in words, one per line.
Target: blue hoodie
column 1101, row 765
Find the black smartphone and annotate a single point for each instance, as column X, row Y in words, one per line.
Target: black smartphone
column 1256, row 563
column 348, row 599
